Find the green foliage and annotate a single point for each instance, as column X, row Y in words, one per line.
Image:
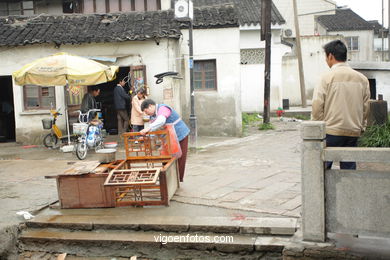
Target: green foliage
column 376, row 136
column 266, row 126
column 248, row 119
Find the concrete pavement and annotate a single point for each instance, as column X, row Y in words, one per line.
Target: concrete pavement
column 258, row 173
column 254, row 176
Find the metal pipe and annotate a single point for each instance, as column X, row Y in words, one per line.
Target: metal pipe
column 193, row 127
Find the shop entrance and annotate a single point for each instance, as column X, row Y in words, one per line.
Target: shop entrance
column 7, row 114
column 106, row 99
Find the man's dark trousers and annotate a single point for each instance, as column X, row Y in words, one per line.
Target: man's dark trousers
column 341, row 141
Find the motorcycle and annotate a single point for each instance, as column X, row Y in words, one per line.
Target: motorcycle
column 90, row 134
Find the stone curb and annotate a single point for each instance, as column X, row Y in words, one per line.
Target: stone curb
column 249, row 225
column 234, row 242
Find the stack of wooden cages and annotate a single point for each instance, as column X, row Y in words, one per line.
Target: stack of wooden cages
column 148, row 176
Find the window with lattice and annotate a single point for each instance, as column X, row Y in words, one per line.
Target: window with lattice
column 16, row 8
column 138, row 78
column 252, row 56
column 38, row 97
column 205, row 75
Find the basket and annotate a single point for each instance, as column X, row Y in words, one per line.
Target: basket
column 80, row 128
column 47, row 123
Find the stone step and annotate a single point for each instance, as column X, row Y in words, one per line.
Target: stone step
column 27, row 255
column 247, row 225
column 122, row 243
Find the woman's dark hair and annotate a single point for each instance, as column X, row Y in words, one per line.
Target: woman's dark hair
column 146, row 103
column 337, row 48
column 142, row 91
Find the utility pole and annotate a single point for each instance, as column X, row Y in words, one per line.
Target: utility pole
column 193, row 127
column 266, row 34
column 388, row 31
column 299, row 54
column 184, row 11
column 382, row 29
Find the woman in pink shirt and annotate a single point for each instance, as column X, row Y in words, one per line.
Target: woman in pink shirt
column 137, row 121
column 161, row 115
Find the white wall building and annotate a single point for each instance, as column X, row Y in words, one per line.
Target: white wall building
column 313, row 58
column 357, row 32
column 252, row 69
column 217, row 105
column 378, row 75
column 308, row 10
column 157, row 42
column 251, row 52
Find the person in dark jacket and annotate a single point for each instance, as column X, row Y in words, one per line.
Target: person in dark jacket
column 89, row 101
column 120, row 99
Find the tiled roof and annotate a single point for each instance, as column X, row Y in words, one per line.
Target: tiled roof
column 132, row 26
column 377, row 27
column 344, row 20
column 249, row 10
column 215, row 17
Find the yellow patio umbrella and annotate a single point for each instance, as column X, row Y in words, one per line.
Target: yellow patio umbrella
column 63, row 69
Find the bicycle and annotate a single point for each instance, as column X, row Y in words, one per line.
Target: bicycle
column 50, row 140
column 90, row 134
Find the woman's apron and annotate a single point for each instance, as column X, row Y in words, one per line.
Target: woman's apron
column 173, row 148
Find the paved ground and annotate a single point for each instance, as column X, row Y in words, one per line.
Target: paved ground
column 258, row 173
column 255, row 175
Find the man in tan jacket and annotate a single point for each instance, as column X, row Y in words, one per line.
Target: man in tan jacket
column 341, row 100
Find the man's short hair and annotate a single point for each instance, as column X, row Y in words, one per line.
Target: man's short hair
column 93, row 88
column 146, row 103
column 337, row 48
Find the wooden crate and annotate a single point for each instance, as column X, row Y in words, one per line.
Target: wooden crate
column 147, row 193
column 156, row 186
column 87, row 184
column 84, row 191
column 82, row 186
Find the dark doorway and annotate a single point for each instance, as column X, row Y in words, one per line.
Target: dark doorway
column 372, row 88
column 7, row 114
column 106, row 98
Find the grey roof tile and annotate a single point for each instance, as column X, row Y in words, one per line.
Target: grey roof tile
column 131, row 26
column 378, row 27
column 249, row 10
column 344, row 20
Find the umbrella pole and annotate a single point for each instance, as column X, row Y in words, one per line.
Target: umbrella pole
column 66, row 112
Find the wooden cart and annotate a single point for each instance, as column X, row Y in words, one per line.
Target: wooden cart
column 148, row 176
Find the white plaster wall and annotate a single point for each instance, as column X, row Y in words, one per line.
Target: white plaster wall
column 165, row 4
column 321, row 30
column 382, row 78
column 314, row 66
column 157, row 58
column 306, row 22
column 252, row 75
column 366, row 45
column 218, row 112
column 54, row 7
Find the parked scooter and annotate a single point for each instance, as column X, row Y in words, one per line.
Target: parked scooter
column 90, row 134
column 50, row 140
